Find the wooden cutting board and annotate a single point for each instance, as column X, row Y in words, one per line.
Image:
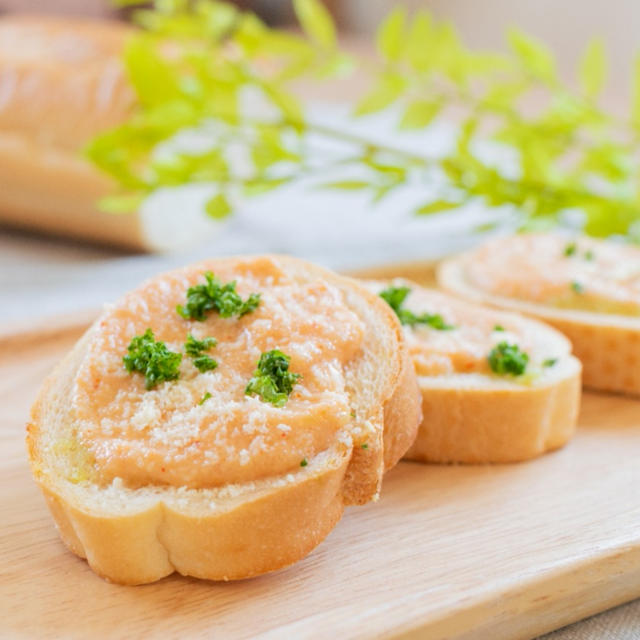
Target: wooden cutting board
column 495, row 552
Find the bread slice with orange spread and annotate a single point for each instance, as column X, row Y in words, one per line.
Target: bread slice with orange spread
column 586, row 288
column 496, row 387
column 216, row 420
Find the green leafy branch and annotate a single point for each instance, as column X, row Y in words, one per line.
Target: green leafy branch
column 572, row 154
column 203, row 65
column 193, row 66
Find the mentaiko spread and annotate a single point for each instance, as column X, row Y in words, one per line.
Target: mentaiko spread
column 202, row 429
column 551, row 269
column 472, row 333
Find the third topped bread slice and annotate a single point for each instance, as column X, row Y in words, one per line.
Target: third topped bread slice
column 586, row 288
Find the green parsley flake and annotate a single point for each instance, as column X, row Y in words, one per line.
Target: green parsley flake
column 365, row 445
column 215, row 296
column 570, row 249
column 498, row 327
column 507, row 358
column 205, row 397
column 153, row 359
column 589, row 255
column 272, row 380
column 395, row 297
column 303, row 462
column 195, row 348
column 549, row 362
column 577, row 287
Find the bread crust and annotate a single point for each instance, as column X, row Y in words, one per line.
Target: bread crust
column 66, row 197
column 493, row 425
column 267, row 525
column 608, row 345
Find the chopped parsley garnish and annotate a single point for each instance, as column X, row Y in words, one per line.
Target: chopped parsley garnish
column 272, row 380
column 195, row 349
column 303, row 462
column 215, row 296
column 364, row 445
column 205, row 397
column 498, row 327
column 549, row 362
column 153, row 359
column 353, row 413
column 570, row 249
column 577, row 287
column 507, row 358
column 589, row 255
column 395, row 297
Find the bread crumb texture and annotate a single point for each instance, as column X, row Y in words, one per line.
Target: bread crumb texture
column 165, row 436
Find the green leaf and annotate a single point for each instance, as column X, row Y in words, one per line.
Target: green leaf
column 347, row 185
column 418, row 41
column 121, row 204
column 420, row 113
column 389, row 88
column 593, row 68
column 126, row 3
column 390, row 34
column 218, row 207
column 533, row 55
column 337, row 65
column 436, row 206
column 449, row 56
column 316, row 22
column 263, row 185
column 635, row 99
column 145, row 67
column 288, row 104
column 504, row 95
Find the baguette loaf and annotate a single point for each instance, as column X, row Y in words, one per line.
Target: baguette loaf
column 61, row 83
column 470, row 413
column 203, row 474
column 587, row 289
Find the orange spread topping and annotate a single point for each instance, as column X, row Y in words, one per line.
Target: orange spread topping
column 551, row 269
column 165, row 435
column 475, row 331
column 465, row 347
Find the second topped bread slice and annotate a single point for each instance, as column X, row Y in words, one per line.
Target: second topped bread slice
column 496, row 387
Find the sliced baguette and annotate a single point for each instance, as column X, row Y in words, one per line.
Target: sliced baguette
column 140, row 534
column 607, row 344
column 481, row 417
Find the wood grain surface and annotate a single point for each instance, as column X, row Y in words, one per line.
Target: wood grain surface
column 496, row 552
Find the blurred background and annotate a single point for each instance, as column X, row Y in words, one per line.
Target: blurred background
column 51, row 273
column 565, row 26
